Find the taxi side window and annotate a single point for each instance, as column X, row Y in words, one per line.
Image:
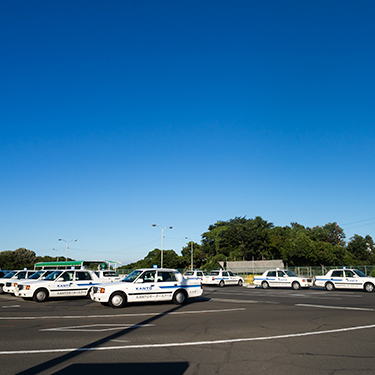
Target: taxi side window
column 280, row 274
column 83, row 276
column 225, row 273
column 230, row 273
column 271, row 274
column 21, row 275
column 68, row 276
column 148, row 276
column 349, row 274
column 338, row 274
column 166, row 277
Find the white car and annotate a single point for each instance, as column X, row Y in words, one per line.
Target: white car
column 10, row 286
column 149, row 284
column 14, row 276
column 222, row 278
column 194, row 274
column 345, row 279
column 108, row 275
column 282, row 278
column 60, row 283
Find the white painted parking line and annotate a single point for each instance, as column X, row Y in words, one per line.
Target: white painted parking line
column 233, row 300
column 8, row 307
column 115, row 315
column 96, row 327
column 193, row 343
column 335, row 307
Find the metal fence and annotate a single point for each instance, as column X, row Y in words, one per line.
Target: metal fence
column 248, row 273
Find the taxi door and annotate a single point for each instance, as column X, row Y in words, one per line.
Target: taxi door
column 337, row 277
column 166, row 285
column 271, row 278
column 63, row 285
column 352, row 280
column 282, row 279
column 143, row 289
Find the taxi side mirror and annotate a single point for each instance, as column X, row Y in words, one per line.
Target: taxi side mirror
column 139, row 281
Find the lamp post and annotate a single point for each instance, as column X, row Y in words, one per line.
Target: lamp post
column 191, row 241
column 67, row 247
column 162, row 236
column 57, row 259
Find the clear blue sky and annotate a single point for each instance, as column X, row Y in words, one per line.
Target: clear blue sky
column 116, row 115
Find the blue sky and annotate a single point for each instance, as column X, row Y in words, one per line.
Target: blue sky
column 116, row 115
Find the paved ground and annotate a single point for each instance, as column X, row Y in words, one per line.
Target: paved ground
column 232, row 330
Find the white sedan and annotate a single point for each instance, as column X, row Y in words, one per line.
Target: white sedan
column 11, row 285
column 282, row 278
column 60, row 283
column 222, row 278
column 149, row 284
column 346, row 279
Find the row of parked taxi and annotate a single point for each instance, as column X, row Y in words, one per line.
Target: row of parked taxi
column 106, row 287
column 160, row 284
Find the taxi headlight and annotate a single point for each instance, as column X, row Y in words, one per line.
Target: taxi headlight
column 15, row 284
column 102, row 290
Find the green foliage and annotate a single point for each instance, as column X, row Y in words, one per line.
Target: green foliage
column 17, row 259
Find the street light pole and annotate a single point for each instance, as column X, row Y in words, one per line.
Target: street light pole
column 162, row 236
column 67, row 247
column 191, row 241
column 57, row 259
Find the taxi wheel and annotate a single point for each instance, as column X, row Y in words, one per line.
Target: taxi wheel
column 330, row 286
column 88, row 295
column 240, row 282
column 265, row 285
column 40, row 295
column 179, row 297
column 1, row 289
column 369, row 287
column 296, row 285
column 221, row 283
column 117, row 299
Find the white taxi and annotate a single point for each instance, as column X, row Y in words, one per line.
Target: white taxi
column 282, row 278
column 10, row 286
column 149, row 284
column 345, row 279
column 194, row 274
column 14, row 277
column 222, row 278
column 60, row 283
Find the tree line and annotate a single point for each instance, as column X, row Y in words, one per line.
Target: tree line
column 257, row 239
column 245, row 239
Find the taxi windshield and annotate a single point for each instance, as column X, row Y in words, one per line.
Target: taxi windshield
column 131, row 277
column 36, row 275
column 53, row 275
column 9, row 275
column 290, row 273
column 359, row 273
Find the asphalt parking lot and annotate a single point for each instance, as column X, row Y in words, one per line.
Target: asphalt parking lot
column 229, row 330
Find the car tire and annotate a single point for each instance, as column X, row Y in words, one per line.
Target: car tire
column 88, row 295
column 329, row 286
column 296, row 285
column 369, row 287
column 40, row 295
column 117, row 300
column 179, row 297
column 240, row 282
column 221, row 284
column 1, row 289
column 265, row 285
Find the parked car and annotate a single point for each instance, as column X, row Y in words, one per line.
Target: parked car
column 345, row 279
column 108, row 275
column 282, row 278
column 10, row 286
column 60, row 283
column 222, row 278
column 194, row 274
column 149, row 284
column 14, row 276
